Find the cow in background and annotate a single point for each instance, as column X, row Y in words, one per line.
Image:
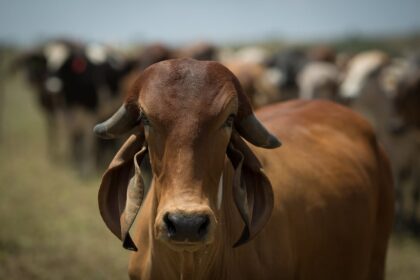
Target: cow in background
column 407, row 98
column 38, row 64
column 282, row 72
column 363, row 78
column 374, row 86
column 198, row 50
column 319, row 77
column 76, row 85
column 143, row 58
column 407, row 104
column 319, row 80
column 322, row 53
column 247, row 64
column 296, row 73
column 248, row 74
column 151, row 54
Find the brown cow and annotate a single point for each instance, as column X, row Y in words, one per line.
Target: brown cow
column 212, row 207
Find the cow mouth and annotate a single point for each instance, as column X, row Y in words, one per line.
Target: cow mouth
column 185, row 246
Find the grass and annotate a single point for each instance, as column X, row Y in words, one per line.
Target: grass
column 50, row 224
column 403, row 261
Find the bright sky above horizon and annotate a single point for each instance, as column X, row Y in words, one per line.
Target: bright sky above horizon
column 180, row 21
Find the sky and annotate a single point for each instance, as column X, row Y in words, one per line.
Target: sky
column 180, row 21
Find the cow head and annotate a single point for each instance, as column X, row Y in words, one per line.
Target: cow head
column 187, row 116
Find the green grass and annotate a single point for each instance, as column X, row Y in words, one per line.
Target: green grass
column 50, row 224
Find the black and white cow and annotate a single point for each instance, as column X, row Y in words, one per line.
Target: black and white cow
column 77, row 84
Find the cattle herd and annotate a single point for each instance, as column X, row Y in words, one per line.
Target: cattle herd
column 78, row 85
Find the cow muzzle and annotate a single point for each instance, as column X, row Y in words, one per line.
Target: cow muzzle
column 186, row 230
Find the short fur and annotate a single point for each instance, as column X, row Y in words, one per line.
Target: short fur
column 327, row 213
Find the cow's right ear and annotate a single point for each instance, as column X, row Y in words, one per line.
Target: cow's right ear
column 124, row 185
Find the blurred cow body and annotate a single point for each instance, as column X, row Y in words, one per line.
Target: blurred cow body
column 406, row 102
column 376, row 87
column 319, row 80
column 283, row 69
column 153, row 53
column 407, row 97
column 248, row 74
column 363, row 69
column 198, row 50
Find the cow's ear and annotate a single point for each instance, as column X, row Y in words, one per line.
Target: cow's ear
column 252, row 190
column 123, row 188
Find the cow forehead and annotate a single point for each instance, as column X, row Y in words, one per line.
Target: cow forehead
column 181, row 87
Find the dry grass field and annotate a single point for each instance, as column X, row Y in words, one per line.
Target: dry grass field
column 50, row 223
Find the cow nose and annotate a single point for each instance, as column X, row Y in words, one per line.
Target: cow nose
column 191, row 228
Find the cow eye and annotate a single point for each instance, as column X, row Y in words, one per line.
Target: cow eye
column 229, row 121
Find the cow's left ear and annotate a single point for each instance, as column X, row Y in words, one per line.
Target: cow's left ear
column 252, row 190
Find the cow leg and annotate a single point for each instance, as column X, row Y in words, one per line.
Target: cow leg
column 88, row 166
column 80, row 150
column 105, row 150
column 79, row 125
column 88, row 145
column 52, row 138
column 76, row 148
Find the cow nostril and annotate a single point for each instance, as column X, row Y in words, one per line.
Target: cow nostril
column 183, row 227
column 202, row 230
column 169, row 225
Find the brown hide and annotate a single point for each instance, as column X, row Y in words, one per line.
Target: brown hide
column 122, row 189
column 330, row 184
